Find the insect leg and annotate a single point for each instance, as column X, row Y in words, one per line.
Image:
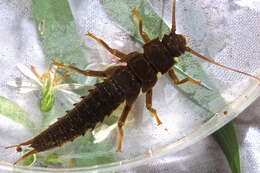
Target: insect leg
column 121, row 122
column 115, row 52
column 59, row 81
column 85, row 72
column 149, row 96
column 177, row 81
column 145, row 37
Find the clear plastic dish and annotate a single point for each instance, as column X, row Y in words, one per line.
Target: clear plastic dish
column 224, row 31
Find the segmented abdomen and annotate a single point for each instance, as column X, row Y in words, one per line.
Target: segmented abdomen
column 93, row 108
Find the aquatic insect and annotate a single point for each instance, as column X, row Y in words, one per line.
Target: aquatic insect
column 122, row 83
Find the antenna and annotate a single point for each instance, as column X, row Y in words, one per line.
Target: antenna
column 173, row 17
column 218, row 64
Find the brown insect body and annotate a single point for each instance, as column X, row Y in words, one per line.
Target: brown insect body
column 123, row 83
column 85, row 115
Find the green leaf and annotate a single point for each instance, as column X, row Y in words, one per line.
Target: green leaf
column 210, row 100
column 227, row 140
column 58, row 34
column 29, row 160
column 47, row 98
column 14, row 112
column 53, row 158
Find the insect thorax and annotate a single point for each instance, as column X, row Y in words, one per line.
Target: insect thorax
column 158, row 55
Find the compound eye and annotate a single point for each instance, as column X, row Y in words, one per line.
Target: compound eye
column 184, row 40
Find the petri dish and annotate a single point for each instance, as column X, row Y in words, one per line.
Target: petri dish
column 214, row 29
